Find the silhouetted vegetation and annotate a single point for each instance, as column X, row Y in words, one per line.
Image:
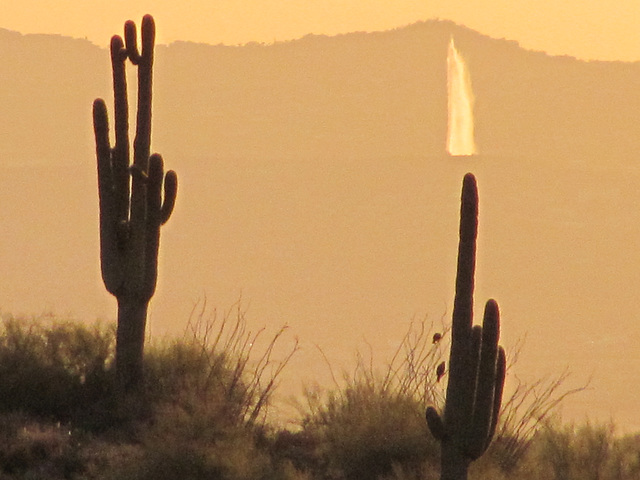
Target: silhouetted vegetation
column 132, row 207
column 203, row 412
column 200, row 412
column 372, row 423
column 477, row 364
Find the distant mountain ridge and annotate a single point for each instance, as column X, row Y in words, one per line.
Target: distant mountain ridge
column 379, row 94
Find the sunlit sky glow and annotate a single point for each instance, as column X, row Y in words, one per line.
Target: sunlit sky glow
column 588, row 29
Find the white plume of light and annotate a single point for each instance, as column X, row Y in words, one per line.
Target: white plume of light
column 460, row 135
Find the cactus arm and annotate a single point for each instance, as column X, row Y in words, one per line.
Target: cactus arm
column 131, row 41
column 158, row 212
column 120, row 159
column 153, row 222
column 475, row 352
column 486, row 383
column 144, row 61
column 113, row 178
column 501, row 371
column 103, row 150
column 110, row 254
column 170, row 191
column 435, row 424
column 154, row 190
column 148, row 39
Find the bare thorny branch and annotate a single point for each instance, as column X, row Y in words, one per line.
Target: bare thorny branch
column 526, row 410
column 411, row 372
column 227, row 346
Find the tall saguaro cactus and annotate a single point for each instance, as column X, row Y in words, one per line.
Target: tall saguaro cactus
column 132, row 207
column 476, row 363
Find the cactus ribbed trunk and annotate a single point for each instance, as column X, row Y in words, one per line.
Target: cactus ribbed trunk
column 476, row 363
column 454, row 464
column 132, row 319
column 136, row 198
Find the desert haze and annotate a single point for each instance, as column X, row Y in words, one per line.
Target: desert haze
column 314, row 184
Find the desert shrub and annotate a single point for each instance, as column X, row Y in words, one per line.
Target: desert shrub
column 193, row 444
column 53, row 370
column 209, row 394
column 365, row 432
column 218, row 365
column 37, row 450
column 201, row 412
column 566, row 452
column 526, row 408
column 62, row 371
column 299, row 448
column 373, row 425
column 624, row 459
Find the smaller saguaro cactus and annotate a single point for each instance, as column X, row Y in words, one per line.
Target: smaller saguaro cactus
column 476, row 362
column 132, row 207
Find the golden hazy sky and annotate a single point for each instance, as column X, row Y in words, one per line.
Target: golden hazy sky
column 589, row 29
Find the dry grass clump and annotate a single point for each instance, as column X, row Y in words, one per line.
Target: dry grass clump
column 200, row 414
column 371, row 425
column 203, row 412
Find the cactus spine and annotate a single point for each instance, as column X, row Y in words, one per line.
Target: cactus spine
column 476, row 363
column 132, row 207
